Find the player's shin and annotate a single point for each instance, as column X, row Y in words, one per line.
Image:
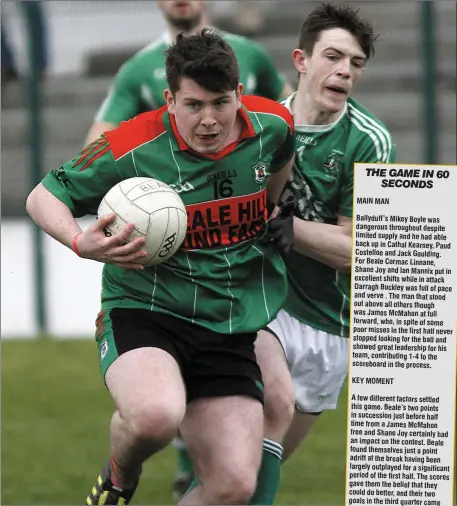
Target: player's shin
column 268, row 477
column 269, row 474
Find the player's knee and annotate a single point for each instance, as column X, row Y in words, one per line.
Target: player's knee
column 279, row 407
column 235, row 486
column 156, row 421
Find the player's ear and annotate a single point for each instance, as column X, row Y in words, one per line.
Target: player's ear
column 300, row 60
column 170, row 101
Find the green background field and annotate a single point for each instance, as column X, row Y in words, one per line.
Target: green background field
column 55, row 416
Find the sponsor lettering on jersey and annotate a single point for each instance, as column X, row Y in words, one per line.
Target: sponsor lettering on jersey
column 306, row 139
column 184, row 187
column 225, row 222
column 223, row 174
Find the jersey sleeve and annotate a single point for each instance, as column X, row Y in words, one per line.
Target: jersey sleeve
column 286, row 148
column 377, row 150
column 270, row 82
column 123, row 99
column 81, row 183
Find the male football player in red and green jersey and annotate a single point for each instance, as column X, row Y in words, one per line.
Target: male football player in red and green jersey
column 333, row 132
column 140, row 83
column 176, row 341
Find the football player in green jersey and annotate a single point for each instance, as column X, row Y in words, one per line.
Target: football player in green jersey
column 140, row 83
column 309, row 336
column 139, row 86
column 176, row 341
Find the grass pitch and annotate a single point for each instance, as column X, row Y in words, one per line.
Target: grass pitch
column 55, row 418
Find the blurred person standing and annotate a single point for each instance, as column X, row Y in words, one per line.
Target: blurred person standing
column 35, row 25
column 249, row 16
column 9, row 68
column 140, row 83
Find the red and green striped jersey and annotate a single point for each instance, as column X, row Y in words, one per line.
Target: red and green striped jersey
column 139, row 84
column 225, row 277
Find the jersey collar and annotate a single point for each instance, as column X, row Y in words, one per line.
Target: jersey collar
column 179, row 144
column 312, row 128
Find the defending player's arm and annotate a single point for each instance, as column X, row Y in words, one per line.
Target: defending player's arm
column 282, row 161
column 278, row 180
column 74, row 190
column 329, row 244
column 280, row 226
column 121, row 103
column 332, row 244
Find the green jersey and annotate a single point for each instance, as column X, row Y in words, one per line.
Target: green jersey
column 139, row 84
column 225, row 277
column 322, row 182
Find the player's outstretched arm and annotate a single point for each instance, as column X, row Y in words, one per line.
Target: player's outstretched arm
column 280, row 226
column 332, row 244
column 329, row 244
column 56, row 219
column 52, row 215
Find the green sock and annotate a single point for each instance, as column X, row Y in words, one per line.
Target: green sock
column 185, row 464
column 269, row 474
column 268, row 477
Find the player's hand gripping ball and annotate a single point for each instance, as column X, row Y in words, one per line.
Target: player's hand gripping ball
column 156, row 210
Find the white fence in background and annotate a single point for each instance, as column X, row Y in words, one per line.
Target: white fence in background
column 72, row 286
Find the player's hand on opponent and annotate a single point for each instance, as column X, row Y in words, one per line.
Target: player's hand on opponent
column 94, row 244
column 281, row 226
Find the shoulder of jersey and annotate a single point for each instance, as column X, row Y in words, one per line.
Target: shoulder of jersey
column 151, row 52
column 361, row 116
column 131, row 134
column 261, row 105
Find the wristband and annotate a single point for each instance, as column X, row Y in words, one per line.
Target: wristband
column 74, row 246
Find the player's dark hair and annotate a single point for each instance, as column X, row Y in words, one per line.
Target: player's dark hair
column 328, row 16
column 206, row 59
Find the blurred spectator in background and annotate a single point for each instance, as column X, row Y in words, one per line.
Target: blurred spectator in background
column 249, row 16
column 34, row 17
column 9, row 70
column 140, row 82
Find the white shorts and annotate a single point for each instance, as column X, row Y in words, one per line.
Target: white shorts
column 318, row 362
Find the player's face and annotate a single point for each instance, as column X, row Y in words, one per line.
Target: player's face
column 331, row 72
column 182, row 15
column 205, row 120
